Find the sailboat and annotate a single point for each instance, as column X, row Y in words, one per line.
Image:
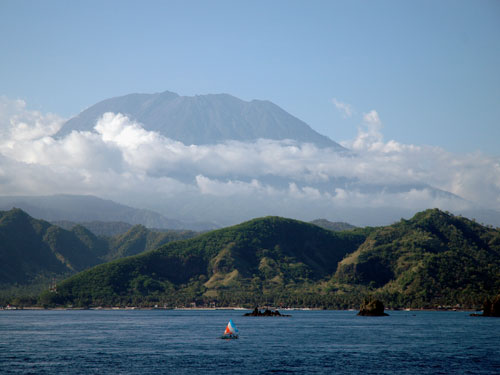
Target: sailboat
column 231, row 331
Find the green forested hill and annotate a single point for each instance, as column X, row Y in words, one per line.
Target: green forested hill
column 435, row 258
column 33, row 252
column 432, row 259
column 139, row 239
column 31, row 248
column 246, row 263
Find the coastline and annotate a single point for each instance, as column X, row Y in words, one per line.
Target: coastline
column 229, row 308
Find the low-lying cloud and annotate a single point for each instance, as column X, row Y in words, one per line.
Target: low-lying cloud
column 121, row 160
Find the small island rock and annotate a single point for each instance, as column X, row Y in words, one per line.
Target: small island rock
column 492, row 308
column 267, row 312
column 372, row 308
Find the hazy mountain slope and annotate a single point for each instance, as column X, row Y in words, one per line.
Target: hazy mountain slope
column 336, row 226
column 99, row 228
column 251, row 257
column 482, row 215
column 203, row 119
column 433, row 258
column 85, row 208
column 139, row 239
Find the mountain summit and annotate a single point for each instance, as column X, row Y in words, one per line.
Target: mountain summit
column 203, row 119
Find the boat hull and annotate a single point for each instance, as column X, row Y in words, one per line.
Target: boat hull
column 229, row 337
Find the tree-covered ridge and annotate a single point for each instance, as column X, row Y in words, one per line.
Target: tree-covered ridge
column 33, row 252
column 433, row 258
column 31, row 248
column 139, row 239
column 250, row 259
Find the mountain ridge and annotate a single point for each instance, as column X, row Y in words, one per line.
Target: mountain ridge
column 277, row 249
column 33, row 251
column 336, row 226
column 30, row 248
column 85, row 208
column 432, row 259
column 202, row 119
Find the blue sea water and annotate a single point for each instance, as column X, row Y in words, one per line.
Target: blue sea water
column 188, row 342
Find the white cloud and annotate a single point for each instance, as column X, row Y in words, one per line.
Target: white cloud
column 122, row 160
column 369, row 134
column 344, row 108
column 372, row 118
column 17, row 123
column 230, row 188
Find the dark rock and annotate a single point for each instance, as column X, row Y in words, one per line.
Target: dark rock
column 492, row 308
column 255, row 312
column 267, row 312
column 372, row 308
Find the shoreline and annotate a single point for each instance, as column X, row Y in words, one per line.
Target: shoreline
column 36, row 308
column 229, row 308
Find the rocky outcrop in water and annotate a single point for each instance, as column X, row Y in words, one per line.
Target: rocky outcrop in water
column 372, row 308
column 492, row 308
column 266, row 312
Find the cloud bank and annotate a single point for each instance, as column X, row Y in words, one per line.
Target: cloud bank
column 233, row 181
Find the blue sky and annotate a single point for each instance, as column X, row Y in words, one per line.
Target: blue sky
column 429, row 68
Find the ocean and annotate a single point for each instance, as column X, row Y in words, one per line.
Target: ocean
column 188, row 342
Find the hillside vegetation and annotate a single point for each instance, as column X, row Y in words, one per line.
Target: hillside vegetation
column 34, row 252
column 432, row 259
column 261, row 259
column 139, row 239
column 31, row 248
